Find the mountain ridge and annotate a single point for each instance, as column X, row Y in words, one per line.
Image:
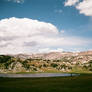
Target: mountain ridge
column 53, row 55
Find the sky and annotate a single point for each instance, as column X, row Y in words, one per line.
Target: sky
column 38, row 26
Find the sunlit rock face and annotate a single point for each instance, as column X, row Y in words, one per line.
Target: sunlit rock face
column 16, row 67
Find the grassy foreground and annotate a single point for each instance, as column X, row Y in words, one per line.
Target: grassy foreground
column 81, row 83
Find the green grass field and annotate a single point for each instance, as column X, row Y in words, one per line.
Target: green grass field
column 81, row 83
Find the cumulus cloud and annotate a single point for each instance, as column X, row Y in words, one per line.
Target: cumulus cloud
column 84, row 7
column 71, row 2
column 16, row 1
column 24, row 35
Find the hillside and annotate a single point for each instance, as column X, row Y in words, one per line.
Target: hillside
column 47, row 62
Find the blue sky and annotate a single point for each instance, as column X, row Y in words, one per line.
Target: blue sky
column 68, row 19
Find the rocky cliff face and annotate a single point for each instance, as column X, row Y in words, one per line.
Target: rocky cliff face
column 16, row 67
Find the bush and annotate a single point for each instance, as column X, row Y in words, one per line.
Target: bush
column 25, row 64
column 4, row 59
column 54, row 65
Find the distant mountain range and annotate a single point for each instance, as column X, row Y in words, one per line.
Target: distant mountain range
column 53, row 55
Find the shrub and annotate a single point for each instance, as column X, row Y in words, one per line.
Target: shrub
column 4, row 58
column 54, row 65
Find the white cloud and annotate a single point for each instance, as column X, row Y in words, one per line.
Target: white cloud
column 23, row 35
column 84, row 7
column 71, row 2
column 46, row 50
column 16, row 1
